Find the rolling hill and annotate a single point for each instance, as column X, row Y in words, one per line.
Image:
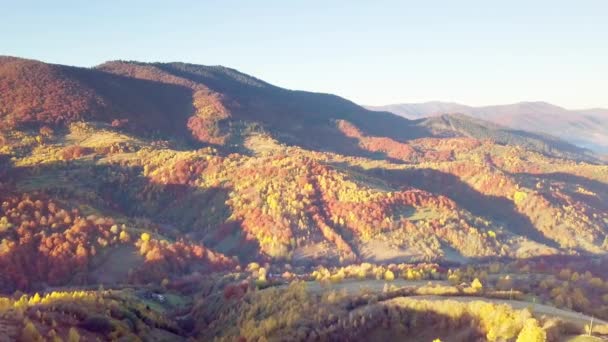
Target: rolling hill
column 586, row 128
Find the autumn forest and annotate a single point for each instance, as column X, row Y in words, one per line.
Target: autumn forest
column 178, row 202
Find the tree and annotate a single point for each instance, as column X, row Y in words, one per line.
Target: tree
column 362, row 274
column 124, row 236
column 145, row 237
column 46, row 131
column 389, row 275
column 73, row 335
column 261, row 281
column 476, row 284
column 253, row 266
column 575, row 276
column 35, row 299
column 519, row 197
column 532, row 332
column 30, row 332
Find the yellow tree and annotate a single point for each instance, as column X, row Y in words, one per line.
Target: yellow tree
column 476, row 284
column 124, row 236
column 532, row 332
column 145, row 237
column 73, row 335
column 30, row 332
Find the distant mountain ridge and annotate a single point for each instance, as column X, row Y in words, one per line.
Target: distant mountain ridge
column 586, row 128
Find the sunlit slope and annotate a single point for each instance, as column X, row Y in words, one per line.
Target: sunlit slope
column 480, row 200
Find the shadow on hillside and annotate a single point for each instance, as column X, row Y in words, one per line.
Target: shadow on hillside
column 601, row 189
column 497, row 208
column 298, row 117
column 153, row 109
column 5, row 166
column 160, row 109
column 391, row 319
column 175, row 210
column 596, row 264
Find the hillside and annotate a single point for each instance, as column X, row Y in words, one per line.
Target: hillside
column 204, row 186
column 33, row 93
column 287, row 171
column 214, row 105
column 586, row 128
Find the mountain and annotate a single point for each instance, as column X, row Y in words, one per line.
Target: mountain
column 174, row 201
column 203, row 104
column 203, row 100
column 280, row 138
column 585, row 128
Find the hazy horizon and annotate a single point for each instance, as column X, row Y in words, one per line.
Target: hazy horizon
column 481, row 105
column 469, row 52
column 412, row 102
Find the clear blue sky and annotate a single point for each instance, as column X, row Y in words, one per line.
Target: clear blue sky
column 372, row 52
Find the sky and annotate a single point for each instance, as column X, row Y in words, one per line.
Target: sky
column 372, row 52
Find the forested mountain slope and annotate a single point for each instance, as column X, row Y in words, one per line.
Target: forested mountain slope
column 220, row 166
column 171, row 201
column 286, row 174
